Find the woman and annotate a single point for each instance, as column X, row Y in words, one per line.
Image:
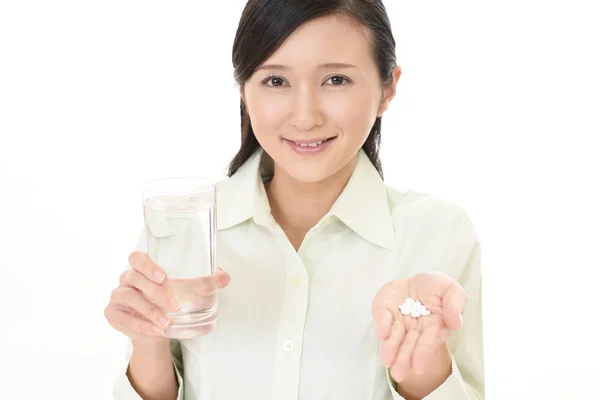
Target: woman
column 310, row 307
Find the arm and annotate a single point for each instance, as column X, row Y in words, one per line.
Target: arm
column 458, row 370
column 153, row 372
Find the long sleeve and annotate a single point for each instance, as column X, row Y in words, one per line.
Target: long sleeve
column 123, row 390
column 466, row 345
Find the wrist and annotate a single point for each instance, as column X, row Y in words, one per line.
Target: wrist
column 151, row 345
column 151, row 355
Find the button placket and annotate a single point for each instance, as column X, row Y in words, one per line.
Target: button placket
column 288, row 357
column 288, row 345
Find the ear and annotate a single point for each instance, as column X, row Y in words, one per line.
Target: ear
column 243, row 99
column 390, row 91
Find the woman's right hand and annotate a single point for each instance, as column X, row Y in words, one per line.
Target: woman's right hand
column 139, row 305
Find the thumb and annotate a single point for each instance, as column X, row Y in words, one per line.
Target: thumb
column 453, row 306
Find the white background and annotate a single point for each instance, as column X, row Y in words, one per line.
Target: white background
column 497, row 110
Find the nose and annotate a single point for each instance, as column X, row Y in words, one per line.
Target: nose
column 306, row 112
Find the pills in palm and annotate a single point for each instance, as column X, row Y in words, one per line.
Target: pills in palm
column 413, row 308
column 405, row 310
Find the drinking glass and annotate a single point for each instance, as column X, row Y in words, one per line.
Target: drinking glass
column 179, row 219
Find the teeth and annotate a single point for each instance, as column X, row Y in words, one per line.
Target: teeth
column 310, row 144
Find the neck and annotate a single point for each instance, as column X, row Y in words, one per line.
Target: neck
column 298, row 206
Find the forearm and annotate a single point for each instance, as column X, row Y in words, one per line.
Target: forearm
column 416, row 387
column 151, row 371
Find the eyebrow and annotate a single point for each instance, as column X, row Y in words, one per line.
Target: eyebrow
column 325, row 66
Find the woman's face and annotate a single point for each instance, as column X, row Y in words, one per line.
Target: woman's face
column 322, row 84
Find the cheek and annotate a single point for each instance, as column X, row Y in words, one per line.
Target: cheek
column 353, row 112
column 267, row 113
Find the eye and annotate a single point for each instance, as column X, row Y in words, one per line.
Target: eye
column 274, row 81
column 338, row 80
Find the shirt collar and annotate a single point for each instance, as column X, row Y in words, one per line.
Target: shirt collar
column 243, row 196
column 362, row 205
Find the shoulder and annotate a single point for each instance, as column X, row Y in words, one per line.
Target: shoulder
column 431, row 216
column 423, row 205
column 433, row 234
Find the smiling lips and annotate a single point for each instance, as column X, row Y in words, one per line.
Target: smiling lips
column 310, row 146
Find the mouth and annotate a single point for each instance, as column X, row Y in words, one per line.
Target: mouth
column 310, row 146
column 311, row 142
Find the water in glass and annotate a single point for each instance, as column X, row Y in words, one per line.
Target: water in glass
column 179, row 236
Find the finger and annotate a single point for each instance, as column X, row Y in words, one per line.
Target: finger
column 389, row 347
column 401, row 365
column 204, row 286
column 454, row 303
column 223, row 279
column 383, row 323
column 429, row 341
column 142, row 263
column 133, row 298
column 155, row 292
column 384, row 311
column 130, row 324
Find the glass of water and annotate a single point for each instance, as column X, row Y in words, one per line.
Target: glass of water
column 179, row 218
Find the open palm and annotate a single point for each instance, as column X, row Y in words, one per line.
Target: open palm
column 408, row 342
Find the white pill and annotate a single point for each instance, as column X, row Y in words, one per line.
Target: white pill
column 409, row 300
column 418, row 304
column 415, row 313
column 405, row 310
column 425, row 312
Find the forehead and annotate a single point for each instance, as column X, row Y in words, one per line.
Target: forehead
column 327, row 39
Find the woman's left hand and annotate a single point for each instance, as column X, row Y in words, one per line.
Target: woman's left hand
column 408, row 342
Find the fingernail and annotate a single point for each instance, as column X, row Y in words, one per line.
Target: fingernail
column 175, row 303
column 224, row 279
column 159, row 275
column 164, row 321
column 158, row 329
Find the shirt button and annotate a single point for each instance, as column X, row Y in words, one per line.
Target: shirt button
column 288, row 345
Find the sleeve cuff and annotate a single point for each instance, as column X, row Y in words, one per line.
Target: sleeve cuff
column 123, row 390
column 453, row 388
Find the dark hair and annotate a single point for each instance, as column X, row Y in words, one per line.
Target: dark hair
column 265, row 25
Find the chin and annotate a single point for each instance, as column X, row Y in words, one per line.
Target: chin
column 310, row 169
column 304, row 171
